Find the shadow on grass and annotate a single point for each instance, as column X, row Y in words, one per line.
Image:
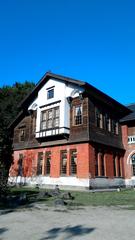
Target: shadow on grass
column 69, row 232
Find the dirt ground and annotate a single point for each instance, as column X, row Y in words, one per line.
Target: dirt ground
column 40, row 222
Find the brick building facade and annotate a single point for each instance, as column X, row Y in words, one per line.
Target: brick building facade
column 69, row 133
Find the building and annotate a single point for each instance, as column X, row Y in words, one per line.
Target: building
column 128, row 129
column 68, row 133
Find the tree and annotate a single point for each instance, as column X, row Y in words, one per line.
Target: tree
column 10, row 97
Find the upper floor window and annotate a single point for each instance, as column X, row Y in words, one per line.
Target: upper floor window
column 78, row 115
column 99, row 118
column 50, row 118
column 115, row 127
column 22, row 135
column 107, row 122
column 50, row 93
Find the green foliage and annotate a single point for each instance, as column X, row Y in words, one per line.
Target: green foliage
column 10, row 98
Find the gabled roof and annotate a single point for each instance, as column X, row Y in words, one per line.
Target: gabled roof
column 89, row 89
column 131, row 116
column 43, row 80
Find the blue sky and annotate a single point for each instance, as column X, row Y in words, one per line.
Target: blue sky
column 90, row 40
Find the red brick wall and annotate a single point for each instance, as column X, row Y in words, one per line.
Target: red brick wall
column 130, row 148
column 85, row 161
column 30, row 160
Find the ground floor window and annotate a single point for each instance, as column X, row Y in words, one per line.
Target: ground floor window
column 133, row 164
column 73, row 162
column 99, row 164
column 39, row 163
column 20, row 165
column 117, row 166
column 47, row 163
column 63, row 162
column 96, row 163
column 102, row 167
column 114, row 165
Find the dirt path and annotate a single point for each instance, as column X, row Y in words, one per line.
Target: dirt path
column 40, row 223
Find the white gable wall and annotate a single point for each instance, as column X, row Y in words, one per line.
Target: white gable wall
column 62, row 90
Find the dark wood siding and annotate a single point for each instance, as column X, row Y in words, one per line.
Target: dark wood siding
column 27, row 124
column 87, row 131
column 79, row 132
column 100, row 135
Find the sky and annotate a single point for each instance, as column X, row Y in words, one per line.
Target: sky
column 89, row 40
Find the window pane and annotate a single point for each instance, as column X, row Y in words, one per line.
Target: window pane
column 39, row 163
column 63, row 162
column 73, row 157
column 50, row 118
column 96, row 163
column 114, row 165
column 50, row 93
column 43, row 125
column 43, row 115
column 133, row 159
column 56, row 122
column 50, row 114
column 22, row 135
column 56, row 112
column 99, row 118
column 47, row 162
column 78, row 115
column 20, row 165
column 50, row 123
column 102, row 165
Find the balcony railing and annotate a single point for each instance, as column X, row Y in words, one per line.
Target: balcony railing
column 52, row 132
column 131, row 139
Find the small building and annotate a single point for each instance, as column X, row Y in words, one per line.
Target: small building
column 68, row 133
column 128, row 129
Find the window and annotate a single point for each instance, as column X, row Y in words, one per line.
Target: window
column 20, row 165
column 47, row 162
column 63, row 166
column 115, row 127
column 50, row 93
column 99, row 164
column 33, row 125
column 107, row 122
column 39, row 163
column 99, row 118
column 22, row 135
column 73, row 162
column 114, row 165
column 102, row 173
column 96, row 163
column 133, row 163
column 50, row 118
column 78, row 115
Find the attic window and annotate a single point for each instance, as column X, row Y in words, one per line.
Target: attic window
column 50, row 93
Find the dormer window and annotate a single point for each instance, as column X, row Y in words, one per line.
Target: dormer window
column 50, row 93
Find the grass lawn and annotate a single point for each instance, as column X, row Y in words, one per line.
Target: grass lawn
column 125, row 198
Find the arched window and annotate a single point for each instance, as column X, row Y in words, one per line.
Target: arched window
column 133, row 163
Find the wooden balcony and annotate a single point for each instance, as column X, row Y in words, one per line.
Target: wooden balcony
column 52, row 132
